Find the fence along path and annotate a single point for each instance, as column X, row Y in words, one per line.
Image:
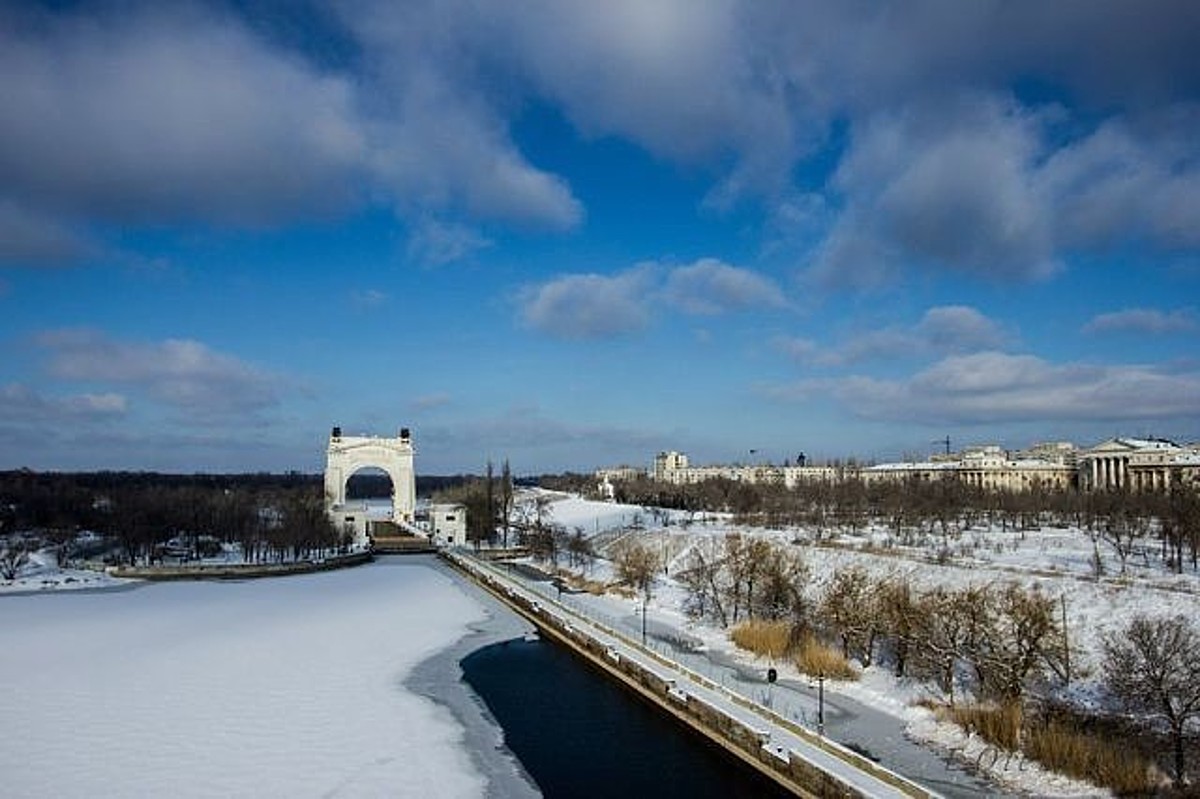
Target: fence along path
column 846, row 772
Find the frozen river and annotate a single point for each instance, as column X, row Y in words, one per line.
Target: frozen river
column 284, row 687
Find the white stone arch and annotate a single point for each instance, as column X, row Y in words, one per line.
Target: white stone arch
column 348, row 454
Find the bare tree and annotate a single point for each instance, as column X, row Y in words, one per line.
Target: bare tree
column 901, row 612
column 939, row 636
column 1021, row 639
column 1153, row 666
column 704, row 579
column 638, row 565
column 850, row 610
column 506, row 499
column 580, row 552
column 12, row 558
column 778, row 593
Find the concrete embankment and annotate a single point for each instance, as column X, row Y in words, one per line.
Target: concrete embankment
column 795, row 758
column 239, row 571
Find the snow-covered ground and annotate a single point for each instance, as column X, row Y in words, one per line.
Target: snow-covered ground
column 288, row 687
column 1057, row 561
column 41, row 573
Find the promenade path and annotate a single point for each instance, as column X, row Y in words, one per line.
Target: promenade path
column 780, row 736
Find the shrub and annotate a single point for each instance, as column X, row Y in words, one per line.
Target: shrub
column 770, row 638
column 815, row 658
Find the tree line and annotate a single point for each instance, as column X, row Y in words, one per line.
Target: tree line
column 996, row 645
column 917, row 509
column 142, row 517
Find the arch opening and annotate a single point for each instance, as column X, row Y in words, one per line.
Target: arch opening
column 369, row 480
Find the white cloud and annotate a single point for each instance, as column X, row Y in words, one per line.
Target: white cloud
column 168, row 114
column 180, row 113
column 995, row 387
column 948, row 186
column 1144, row 320
column 434, row 242
column 599, row 306
column 184, row 374
column 589, row 306
column 942, row 330
column 959, row 328
column 20, row 403
column 161, row 114
column 710, row 287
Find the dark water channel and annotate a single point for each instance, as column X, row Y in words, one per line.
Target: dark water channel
column 579, row 735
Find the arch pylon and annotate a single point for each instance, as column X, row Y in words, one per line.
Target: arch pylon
column 347, row 454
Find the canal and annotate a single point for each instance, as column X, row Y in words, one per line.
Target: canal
column 578, row 734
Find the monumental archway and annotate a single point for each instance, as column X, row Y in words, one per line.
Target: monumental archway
column 347, row 454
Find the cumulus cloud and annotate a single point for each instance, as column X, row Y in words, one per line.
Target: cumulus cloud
column 710, row 287
column 184, row 374
column 20, row 403
column 181, row 113
column 686, row 81
column 1144, row 320
column 599, row 306
column 942, row 330
column 589, row 306
column 149, row 113
column 947, row 186
column 168, row 113
column 994, row 387
column 959, row 328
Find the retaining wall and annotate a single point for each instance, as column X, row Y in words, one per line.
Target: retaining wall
column 752, row 746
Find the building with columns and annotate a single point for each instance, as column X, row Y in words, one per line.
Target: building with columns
column 1135, row 464
column 1118, row 464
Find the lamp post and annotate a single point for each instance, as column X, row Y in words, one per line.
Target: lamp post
column 821, row 704
column 643, row 618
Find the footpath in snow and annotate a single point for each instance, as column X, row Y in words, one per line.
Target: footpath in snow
column 779, row 738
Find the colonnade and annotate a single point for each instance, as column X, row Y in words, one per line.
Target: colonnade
column 1114, row 473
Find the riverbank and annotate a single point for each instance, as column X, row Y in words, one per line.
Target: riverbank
column 439, row 679
column 796, row 758
column 239, row 571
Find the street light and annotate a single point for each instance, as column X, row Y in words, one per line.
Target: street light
column 821, row 704
column 643, row 618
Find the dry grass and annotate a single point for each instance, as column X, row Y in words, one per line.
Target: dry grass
column 1059, row 747
column 999, row 725
column 815, row 658
column 774, row 639
column 769, row 638
column 1089, row 757
column 581, row 583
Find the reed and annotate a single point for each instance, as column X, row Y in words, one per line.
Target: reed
column 764, row 638
column 1088, row 756
column 816, row 659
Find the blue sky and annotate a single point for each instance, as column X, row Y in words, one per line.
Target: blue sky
column 572, row 234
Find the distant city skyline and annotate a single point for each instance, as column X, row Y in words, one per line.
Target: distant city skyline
column 570, row 233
